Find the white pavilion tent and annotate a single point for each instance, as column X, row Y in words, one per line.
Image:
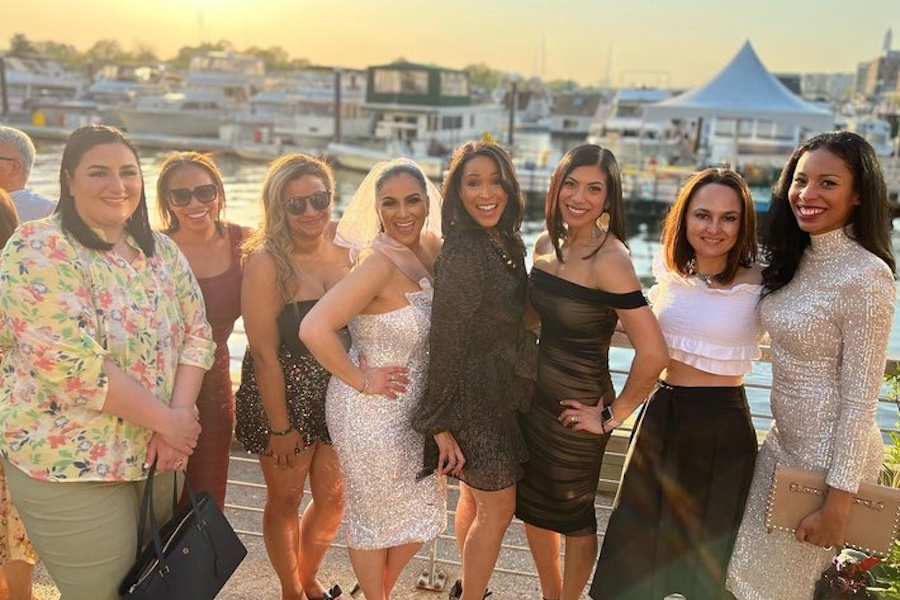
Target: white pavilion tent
column 746, row 110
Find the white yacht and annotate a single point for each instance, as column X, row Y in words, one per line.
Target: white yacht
column 301, row 114
column 621, row 127
column 32, row 79
column 118, row 85
column 218, row 86
column 420, row 112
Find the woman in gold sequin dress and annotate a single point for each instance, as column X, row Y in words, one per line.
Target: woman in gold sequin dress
column 280, row 406
column 828, row 303
column 386, row 304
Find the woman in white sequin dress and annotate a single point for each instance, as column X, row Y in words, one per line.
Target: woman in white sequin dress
column 828, row 302
column 386, row 304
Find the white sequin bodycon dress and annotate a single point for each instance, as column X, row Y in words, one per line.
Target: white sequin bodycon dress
column 378, row 450
column 829, row 330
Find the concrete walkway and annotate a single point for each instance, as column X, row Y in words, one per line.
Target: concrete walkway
column 255, row 580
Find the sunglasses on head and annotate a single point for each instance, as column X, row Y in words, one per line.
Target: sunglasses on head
column 203, row 193
column 297, row 205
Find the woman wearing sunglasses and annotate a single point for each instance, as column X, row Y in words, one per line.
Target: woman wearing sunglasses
column 291, row 261
column 190, row 199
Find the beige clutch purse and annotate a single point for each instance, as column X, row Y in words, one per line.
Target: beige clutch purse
column 874, row 514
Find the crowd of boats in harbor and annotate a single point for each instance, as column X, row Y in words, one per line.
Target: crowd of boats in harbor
column 226, row 102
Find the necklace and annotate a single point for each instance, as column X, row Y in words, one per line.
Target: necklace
column 503, row 254
column 704, row 277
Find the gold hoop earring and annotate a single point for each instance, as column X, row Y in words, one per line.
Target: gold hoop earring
column 602, row 222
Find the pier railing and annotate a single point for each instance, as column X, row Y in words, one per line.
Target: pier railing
column 440, row 557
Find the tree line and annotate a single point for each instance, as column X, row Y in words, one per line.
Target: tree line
column 104, row 52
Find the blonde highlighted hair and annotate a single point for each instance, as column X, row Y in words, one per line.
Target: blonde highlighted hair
column 274, row 232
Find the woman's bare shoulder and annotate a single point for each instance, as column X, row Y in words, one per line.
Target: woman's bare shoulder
column 751, row 274
column 612, row 269
column 543, row 245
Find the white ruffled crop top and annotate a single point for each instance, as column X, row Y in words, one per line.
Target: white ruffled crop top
column 715, row 330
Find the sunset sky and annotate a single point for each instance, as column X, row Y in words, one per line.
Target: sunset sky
column 677, row 42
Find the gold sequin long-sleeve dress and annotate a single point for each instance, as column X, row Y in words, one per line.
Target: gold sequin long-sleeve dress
column 829, row 330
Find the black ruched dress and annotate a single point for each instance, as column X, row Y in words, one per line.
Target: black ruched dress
column 560, row 481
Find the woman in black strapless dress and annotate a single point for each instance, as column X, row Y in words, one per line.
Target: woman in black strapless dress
column 582, row 283
column 280, row 406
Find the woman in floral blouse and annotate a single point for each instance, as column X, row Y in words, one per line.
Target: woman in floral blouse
column 105, row 344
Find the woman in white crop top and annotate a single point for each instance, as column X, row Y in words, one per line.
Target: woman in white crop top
column 684, row 490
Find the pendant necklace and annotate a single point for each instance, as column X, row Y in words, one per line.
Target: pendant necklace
column 704, row 277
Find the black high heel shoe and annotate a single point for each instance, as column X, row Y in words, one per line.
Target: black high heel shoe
column 334, row 592
column 456, row 591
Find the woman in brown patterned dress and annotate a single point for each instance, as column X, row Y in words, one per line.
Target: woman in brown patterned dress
column 474, row 394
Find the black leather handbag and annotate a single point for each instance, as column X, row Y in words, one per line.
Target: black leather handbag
column 188, row 558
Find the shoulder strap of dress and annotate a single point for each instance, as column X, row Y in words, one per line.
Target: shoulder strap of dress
column 403, row 258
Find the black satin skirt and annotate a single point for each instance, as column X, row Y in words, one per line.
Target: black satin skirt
column 681, row 499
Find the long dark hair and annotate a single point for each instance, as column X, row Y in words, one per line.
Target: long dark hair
column 454, row 215
column 586, row 155
column 678, row 252
column 785, row 241
column 81, row 141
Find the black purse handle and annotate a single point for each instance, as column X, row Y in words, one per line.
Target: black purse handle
column 147, row 513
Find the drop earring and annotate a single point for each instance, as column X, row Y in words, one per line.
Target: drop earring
column 601, row 224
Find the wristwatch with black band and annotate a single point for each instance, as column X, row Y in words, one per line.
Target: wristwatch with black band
column 608, row 419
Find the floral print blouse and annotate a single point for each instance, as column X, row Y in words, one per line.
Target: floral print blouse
column 64, row 309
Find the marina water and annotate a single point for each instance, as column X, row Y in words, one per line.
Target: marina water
column 243, row 182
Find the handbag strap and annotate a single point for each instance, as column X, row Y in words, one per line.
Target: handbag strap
column 148, row 514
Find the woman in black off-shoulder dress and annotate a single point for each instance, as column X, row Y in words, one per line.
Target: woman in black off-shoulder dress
column 582, row 283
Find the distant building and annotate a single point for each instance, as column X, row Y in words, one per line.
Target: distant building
column 882, row 73
column 573, row 113
column 827, row 87
column 862, row 73
column 789, row 80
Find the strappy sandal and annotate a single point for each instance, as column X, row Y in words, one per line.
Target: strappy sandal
column 332, row 594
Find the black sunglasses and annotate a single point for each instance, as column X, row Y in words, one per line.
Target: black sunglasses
column 203, row 193
column 297, row 205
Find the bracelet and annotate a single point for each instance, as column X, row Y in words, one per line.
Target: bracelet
column 285, row 432
column 365, row 387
